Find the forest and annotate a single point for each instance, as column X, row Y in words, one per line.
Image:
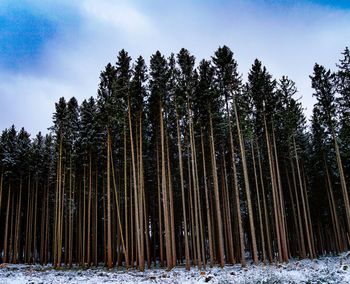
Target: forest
column 182, row 163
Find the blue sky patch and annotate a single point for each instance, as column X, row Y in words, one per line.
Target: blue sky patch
column 22, row 36
column 342, row 4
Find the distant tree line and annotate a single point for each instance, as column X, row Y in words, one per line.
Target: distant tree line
column 182, row 164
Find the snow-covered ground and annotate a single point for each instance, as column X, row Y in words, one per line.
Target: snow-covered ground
column 323, row 270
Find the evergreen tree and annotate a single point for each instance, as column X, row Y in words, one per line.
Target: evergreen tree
column 324, row 91
column 343, row 88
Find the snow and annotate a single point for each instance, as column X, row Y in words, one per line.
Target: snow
column 331, row 269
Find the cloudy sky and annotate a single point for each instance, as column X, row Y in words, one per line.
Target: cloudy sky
column 50, row 49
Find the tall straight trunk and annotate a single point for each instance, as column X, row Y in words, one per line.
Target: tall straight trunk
column 216, row 194
column 342, row 182
column 132, row 221
column 259, row 206
column 126, row 201
column 35, row 220
column 70, row 219
column 333, row 209
column 83, row 230
column 171, row 204
column 278, row 203
column 193, row 168
column 160, row 221
column 28, row 222
column 136, row 197
column 284, row 238
column 140, row 189
column 147, row 229
column 1, row 183
column 230, row 254
column 192, row 222
column 210, row 237
column 302, row 253
column 62, row 209
column 290, row 191
column 201, row 236
column 179, row 147
column 13, row 210
column 55, row 243
column 5, row 255
column 266, row 213
column 104, row 223
column 109, row 221
column 168, row 246
column 66, row 236
column 246, row 185
column 236, row 191
column 58, row 248
column 96, row 218
column 118, row 208
column 47, row 226
column 16, row 254
column 89, row 214
column 308, row 214
column 42, row 226
column 307, row 228
column 274, row 193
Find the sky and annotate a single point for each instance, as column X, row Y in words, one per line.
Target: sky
column 50, row 49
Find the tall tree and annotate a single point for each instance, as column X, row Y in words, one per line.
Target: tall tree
column 324, row 91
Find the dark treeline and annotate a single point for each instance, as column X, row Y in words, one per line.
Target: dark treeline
column 181, row 163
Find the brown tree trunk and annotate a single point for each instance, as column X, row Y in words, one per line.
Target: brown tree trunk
column 160, row 221
column 168, row 245
column 5, row 256
column 1, row 183
column 302, row 253
column 259, row 206
column 18, row 224
column 274, row 193
column 342, row 183
column 333, row 210
column 126, row 201
column 307, row 228
column 266, row 213
column 136, row 194
column 109, row 220
column 179, row 145
column 210, row 237
column 216, row 194
column 247, row 187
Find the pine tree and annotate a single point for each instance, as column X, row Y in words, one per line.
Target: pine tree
column 324, row 91
column 261, row 88
column 207, row 102
column 343, row 104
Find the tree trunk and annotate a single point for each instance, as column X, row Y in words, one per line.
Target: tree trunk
column 247, row 188
column 308, row 235
column 333, row 209
column 342, row 182
column 236, row 192
column 210, row 237
column 266, row 213
column 274, row 193
column 109, row 221
column 179, row 147
column 216, row 194
column 5, row 256
column 259, row 206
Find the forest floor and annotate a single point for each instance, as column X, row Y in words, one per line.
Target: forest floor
column 329, row 269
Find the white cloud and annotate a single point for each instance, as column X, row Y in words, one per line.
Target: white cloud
column 29, row 102
column 118, row 14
